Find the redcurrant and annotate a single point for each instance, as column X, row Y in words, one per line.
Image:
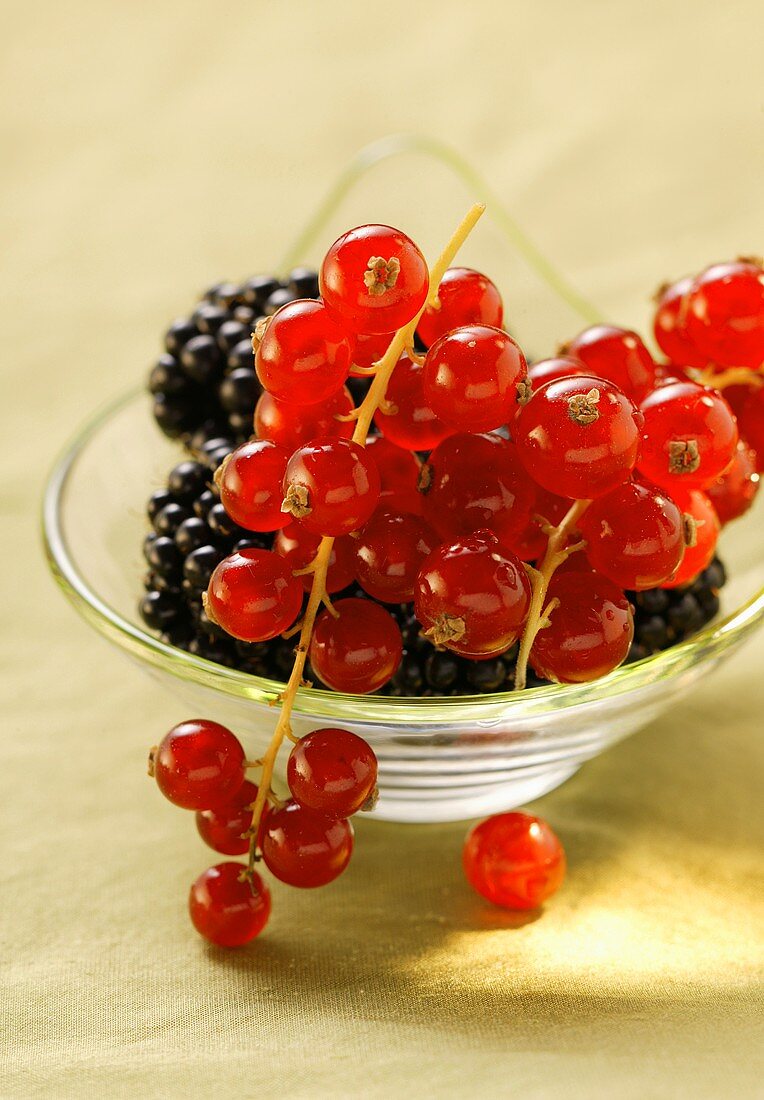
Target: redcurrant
column 733, row 493
column 472, row 596
column 389, row 553
column 471, row 482
column 670, row 324
column 406, row 418
column 465, row 297
column 374, row 279
column 702, row 528
column 299, row 547
column 250, row 482
column 253, row 595
column 304, row 356
column 725, row 314
column 514, row 860
column 369, row 350
column 227, row 909
column 578, row 437
column 689, row 436
column 331, row 486
column 548, row 509
column 224, row 828
column 358, row 650
column 332, row 771
column 304, row 848
column 292, row 425
column 474, row 378
column 618, row 355
column 747, row 402
column 199, row 765
column 589, row 633
column 399, row 476
column 549, row 370
column 635, row 535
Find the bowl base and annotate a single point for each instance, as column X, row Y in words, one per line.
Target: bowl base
column 416, row 806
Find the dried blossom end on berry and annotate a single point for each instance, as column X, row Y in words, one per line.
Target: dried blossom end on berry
column 582, row 407
column 446, row 628
column 684, row 456
column 381, row 275
column 297, row 501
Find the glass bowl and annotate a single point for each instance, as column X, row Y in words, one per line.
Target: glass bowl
column 440, row 759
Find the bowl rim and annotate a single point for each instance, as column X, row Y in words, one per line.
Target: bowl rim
column 477, row 710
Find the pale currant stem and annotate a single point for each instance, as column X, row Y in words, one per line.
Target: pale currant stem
column 733, row 376
column 557, row 551
column 414, row 355
column 365, row 370
column 320, row 564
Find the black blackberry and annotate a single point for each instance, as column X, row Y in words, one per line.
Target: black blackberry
column 204, row 384
column 665, row 616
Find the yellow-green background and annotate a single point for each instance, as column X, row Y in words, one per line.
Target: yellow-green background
column 147, row 149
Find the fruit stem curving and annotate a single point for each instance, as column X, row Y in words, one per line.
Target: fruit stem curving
column 320, row 565
column 557, row 551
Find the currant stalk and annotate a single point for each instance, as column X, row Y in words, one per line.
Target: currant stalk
column 375, row 398
column 558, row 550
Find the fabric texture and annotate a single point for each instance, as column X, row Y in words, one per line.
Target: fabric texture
column 149, row 149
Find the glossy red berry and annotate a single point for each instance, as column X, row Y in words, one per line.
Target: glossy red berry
column 253, row 595
column 374, row 279
column 199, row 765
column 514, row 860
column 747, row 403
column 369, row 350
column 549, row 370
column 635, row 535
column 398, row 468
column 304, row 356
column 725, row 314
column 618, row 355
column 590, row 630
column 357, row 651
column 472, row 482
column 702, row 528
column 292, row 425
column 407, row 419
column 226, row 910
column 670, row 324
column 332, row 771
column 689, row 436
column 734, row 492
column 399, row 476
column 389, row 553
column 331, row 486
column 532, row 541
column 465, row 297
column 578, row 437
column 299, row 547
column 223, row 829
column 474, row 378
column 472, row 596
column 250, row 482
column 304, row 848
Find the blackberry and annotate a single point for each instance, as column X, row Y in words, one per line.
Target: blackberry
column 204, row 384
column 168, row 520
column 665, row 616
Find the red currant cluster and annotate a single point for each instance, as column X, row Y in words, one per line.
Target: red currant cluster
column 479, row 481
column 306, row 841
column 637, row 458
